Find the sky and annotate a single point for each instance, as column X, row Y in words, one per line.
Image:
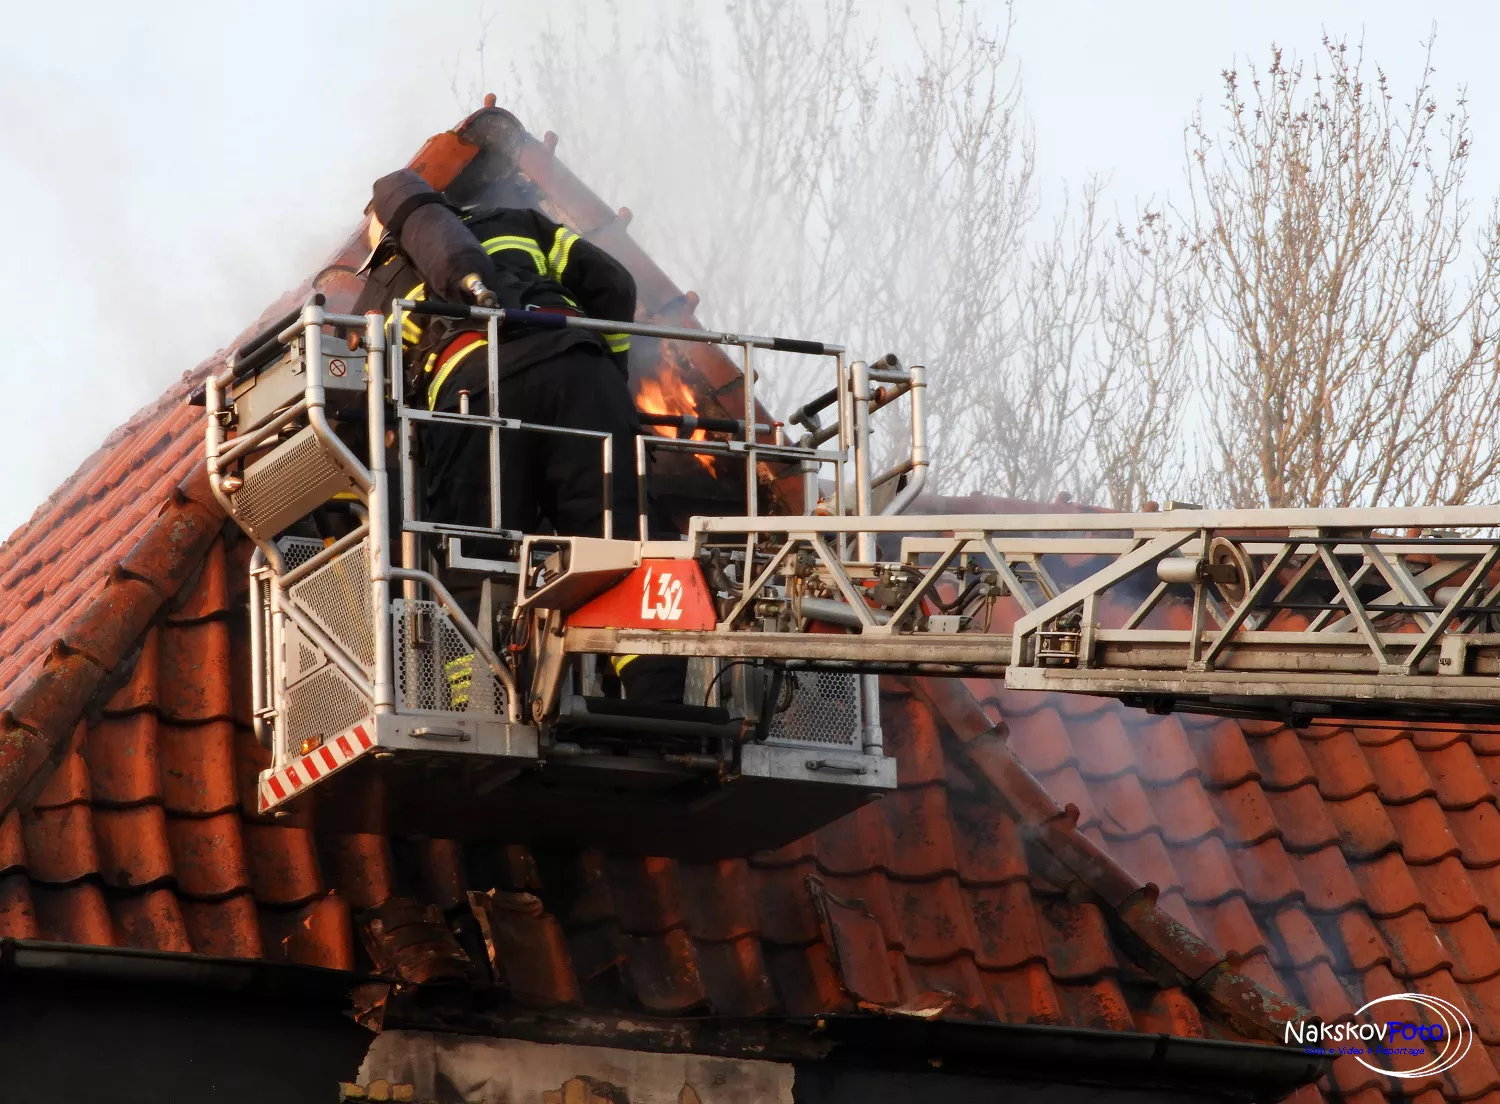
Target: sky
column 169, row 169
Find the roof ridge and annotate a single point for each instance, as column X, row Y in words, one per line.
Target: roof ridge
column 1197, row 965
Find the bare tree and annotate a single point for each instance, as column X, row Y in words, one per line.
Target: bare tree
column 1146, row 365
column 800, row 187
column 1349, row 337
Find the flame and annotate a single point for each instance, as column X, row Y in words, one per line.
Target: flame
column 668, row 393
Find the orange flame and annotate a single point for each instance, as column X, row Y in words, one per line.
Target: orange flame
column 668, row 393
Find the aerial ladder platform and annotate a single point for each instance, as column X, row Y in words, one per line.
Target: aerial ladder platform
column 387, row 704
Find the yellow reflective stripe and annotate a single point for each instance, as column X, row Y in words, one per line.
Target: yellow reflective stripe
column 619, row 662
column 525, row 245
column 460, row 674
column 562, row 247
column 411, row 332
column 436, row 386
column 617, row 342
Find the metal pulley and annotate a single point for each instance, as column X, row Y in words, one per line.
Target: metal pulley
column 1225, row 565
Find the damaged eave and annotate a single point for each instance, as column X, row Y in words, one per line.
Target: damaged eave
column 1218, row 1069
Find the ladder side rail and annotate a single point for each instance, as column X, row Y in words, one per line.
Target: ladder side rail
column 1257, row 521
column 383, row 698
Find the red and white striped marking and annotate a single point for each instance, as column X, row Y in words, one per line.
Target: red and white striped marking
column 322, row 761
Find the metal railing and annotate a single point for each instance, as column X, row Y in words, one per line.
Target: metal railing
column 1378, row 609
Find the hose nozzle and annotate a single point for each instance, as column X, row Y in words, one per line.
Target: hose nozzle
column 482, row 295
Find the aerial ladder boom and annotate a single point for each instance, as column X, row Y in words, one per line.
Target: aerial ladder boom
column 386, row 703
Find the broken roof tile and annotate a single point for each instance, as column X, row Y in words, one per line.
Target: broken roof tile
column 442, row 871
column 358, row 865
column 804, row 979
column 664, row 971
column 319, row 933
column 735, row 977
column 785, row 906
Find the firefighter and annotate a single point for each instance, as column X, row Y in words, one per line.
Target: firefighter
column 516, row 259
column 574, row 378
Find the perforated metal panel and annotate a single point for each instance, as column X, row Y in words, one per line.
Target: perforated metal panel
column 299, row 475
column 337, row 597
column 825, row 712
column 321, row 705
column 296, row 551
column 436, row 670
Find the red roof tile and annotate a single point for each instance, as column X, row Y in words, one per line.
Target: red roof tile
column 1098, row 868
